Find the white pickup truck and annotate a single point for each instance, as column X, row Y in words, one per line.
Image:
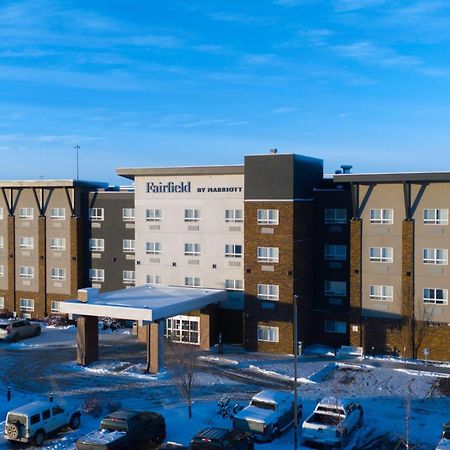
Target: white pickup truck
column 332, row 422
column 268, row 414
column 444, row 443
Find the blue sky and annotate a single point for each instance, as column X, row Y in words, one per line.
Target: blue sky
column 181, row 82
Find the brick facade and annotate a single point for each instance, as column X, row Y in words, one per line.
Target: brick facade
column 355, row 282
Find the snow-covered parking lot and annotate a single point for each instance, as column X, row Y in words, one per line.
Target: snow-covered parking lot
column 36, row 367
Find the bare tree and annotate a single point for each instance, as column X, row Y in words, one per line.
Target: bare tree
column 406, row 439
column 185, row 367
column 417, row 324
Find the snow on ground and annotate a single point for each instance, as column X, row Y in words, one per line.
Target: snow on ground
column 384, row 392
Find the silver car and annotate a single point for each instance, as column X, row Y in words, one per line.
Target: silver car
column 12, row 330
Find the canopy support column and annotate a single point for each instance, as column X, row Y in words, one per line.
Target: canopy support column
column 155, row 346
column 87, row 340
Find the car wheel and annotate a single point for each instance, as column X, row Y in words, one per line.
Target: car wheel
column 74, row 421
column 160, row 435
column 12, row 431
column 39, row 438
column 38, row 331
column 275, row 433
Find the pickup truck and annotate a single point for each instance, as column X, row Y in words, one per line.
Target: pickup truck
column 268, row 414
column 332, row 422
column 125, row 430
column 444, row 443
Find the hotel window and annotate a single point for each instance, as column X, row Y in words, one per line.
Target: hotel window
column 153, row 215
column 267, row 216
column 268, row 292
column 381, row 293
column 2, row 302
column 58, row 214
column 96, row 245
column 335, row 252
column 268, row 254
column 435, row 256
column 97, row 275
column 154, row 279
column 1, row 242
column 58, row 273
column 58, row 244
column 435, row 296
column 192, row 249
column 26, row 242
column 234, row 285
column 383, row 216
column 54, row 306
column 335, row 216
column 192, row 215
column 128, row 214
column 26, row 213
column 234, row 215
column 1, row 213
column 2, row 271
column 192, row 281
column 381, row 254
column 128, row 245
column 333, row 326
column 153, row 248
column 26, row 272
column 268, row 334
column 435, row 216
column 128, row 276
column 96, row 214
column 336, row 288
column 26, row 304
column 233, row 251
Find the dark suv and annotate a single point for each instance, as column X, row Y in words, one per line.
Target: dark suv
column 220, row 439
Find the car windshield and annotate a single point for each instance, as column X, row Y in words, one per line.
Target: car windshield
column 263, row 405
column 17, row 418
column 114, row 425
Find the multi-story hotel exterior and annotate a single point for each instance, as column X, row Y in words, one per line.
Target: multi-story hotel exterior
column 111, row 238
column 43, row 229
column 399, row 275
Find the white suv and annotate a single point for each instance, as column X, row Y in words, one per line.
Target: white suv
column 33, row 421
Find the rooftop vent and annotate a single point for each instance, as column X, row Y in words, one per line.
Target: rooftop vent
column 273, row 151
column 337, row 172
column 346, row 168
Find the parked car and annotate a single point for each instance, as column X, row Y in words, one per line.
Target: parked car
column 34, row 421
column 444, row 443
column 125, row 430
column 268, row 414
column 221, row 439
column 332, row 422
column 14, row 329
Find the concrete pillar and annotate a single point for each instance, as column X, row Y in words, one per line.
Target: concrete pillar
column 155, row 346
column 87, row 340
column 142, row 333
column 205, row 330
column 408, row 333
column 356, row 332
column 40, row 307
column 10, row 300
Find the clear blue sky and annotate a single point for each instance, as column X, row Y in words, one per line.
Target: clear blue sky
column 183, row 82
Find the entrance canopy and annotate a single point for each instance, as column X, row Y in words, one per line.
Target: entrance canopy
column 144, row 304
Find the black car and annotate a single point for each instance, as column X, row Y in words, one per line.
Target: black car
column 221, row 439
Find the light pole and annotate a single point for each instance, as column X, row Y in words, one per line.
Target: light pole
column 77, row 147
column 295, row 372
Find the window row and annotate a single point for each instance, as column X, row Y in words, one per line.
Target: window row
column 431, row 216
column 28, row 213
column 27, row 242
column 27, row 272
column 98, row 275
column 26, row 305
column 435, row 296
column 194, row 249
column 437, row 256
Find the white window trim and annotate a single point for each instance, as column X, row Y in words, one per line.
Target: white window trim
column 434, row 260
column 2, row 271
column 192, row 249
column 54, row 246
column 381, row 258
column 386, row 216
column 264, row 292
column 26, row 242
column 97, row 214
column 196, row 215
column 128, row 214
column 232, row 215
column 128, row 276
column 231, row 251
column 234, row 285
column 269, row 330
column 155, row 248
column 268, row 216
column 26, row 304
column 2, row 302
column 26, row 274
column 435, row 220
column 130, row 248
column 267, row 256
column 155, row 216
column 381, row 293
column 157, row 279
column 194, row 280
column 2, row 242
column 54, row 214
column 97, row 245
column 26, row 213
column 433, row 300
column 58, row 273
column 99, row 277
column 55, row 306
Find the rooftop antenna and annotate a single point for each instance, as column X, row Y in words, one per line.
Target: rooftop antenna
column 77, row 147
column 273, row 151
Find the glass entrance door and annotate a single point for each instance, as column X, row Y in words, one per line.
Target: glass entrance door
column 184, row 329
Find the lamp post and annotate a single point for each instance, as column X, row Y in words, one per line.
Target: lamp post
column 77, row 147
column 295, row 372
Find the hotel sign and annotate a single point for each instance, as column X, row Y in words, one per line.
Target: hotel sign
column 171, row 187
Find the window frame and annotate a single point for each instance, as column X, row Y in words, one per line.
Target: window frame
column 155, row 217
column 434, row 260
column 269, row 329
column 97, row 278
column 156, row 277
column 335, row 254
column 129, row 280
column 156, row 248
column 54, row 214
column 264, row 216
column 195, row 217
column 335, row 328
column 2, row 271
column 334, row 293
column 24, row 213
column 128, row 214
column 94, row 216
column 24, row 245
column 26, row 304
column 26, row 273
column 234, row 285
column 378, row 292
column 97, row 248
column 194, row 281
column 58, row 273
column 52, row 307
column 435, row 300
column 264, row 292
column 192, row 249
column 435, row 220
column 384, row 219
column 381, row 258
column 268, row 257
column 130, row 248
column 232, row 215
column 53, row 245
column 231, row 251
column 331, row 216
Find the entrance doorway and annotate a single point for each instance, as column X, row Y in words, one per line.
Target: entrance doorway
column 184, row 329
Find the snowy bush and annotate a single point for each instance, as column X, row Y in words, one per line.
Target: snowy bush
column 95, row 407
